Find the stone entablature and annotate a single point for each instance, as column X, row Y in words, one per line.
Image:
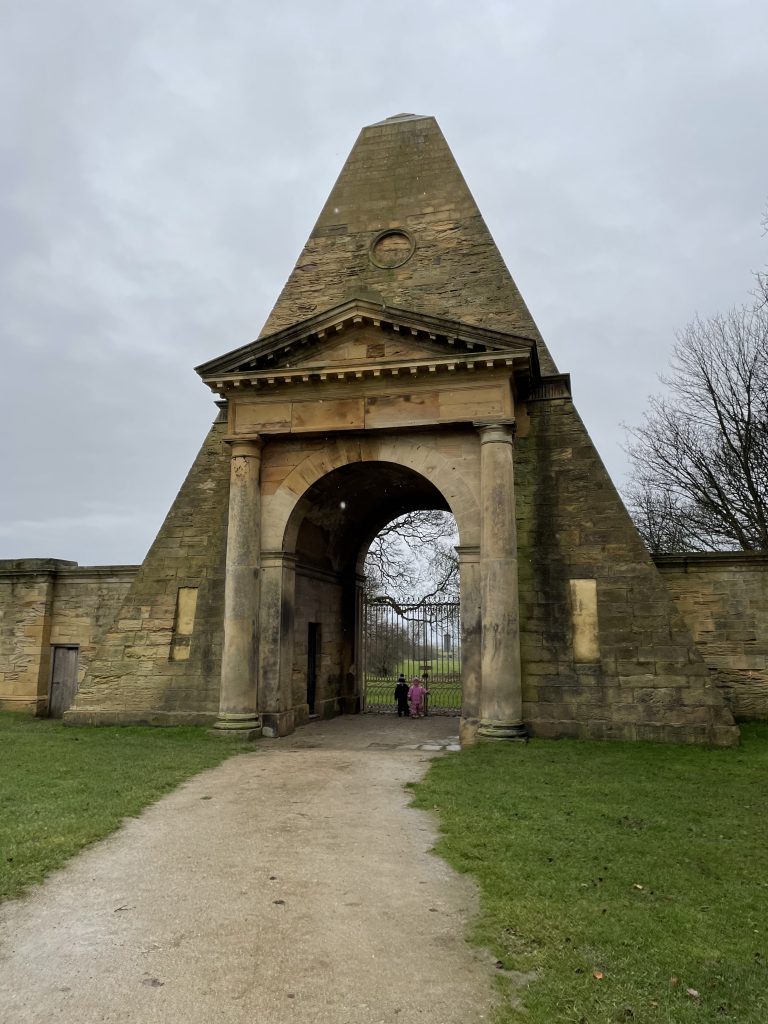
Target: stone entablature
column 355, row 369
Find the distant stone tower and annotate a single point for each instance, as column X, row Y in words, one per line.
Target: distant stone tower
column 400, row 369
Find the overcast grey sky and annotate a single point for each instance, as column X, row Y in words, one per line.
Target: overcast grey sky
column 162, row 164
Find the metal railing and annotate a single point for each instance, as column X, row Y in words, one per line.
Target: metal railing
column 415, row 639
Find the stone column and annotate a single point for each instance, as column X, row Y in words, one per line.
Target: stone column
column 277, row 613
column 238, row 697
column 501, row 691
column 471, row 633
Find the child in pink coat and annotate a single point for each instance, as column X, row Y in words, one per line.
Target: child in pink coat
column 416, row 695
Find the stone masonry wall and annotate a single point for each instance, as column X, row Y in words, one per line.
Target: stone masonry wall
column 26, row 592
column 45, row 602
column 640, row 676
column 318, row 601
column 157, row 662
column 86, row 600
column 723, row 598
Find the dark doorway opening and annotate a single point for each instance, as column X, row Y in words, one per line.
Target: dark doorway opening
column 313, row 660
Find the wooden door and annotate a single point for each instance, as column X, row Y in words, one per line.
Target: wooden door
column 63, row 679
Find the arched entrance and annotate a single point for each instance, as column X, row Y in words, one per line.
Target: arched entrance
column 438, row 407
column 325, row 540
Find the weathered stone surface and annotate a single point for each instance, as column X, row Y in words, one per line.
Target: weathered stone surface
column 572, row 526
column 723, row 599
column 133, row 676
column 47, row 601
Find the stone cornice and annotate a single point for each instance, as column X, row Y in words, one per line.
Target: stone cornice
column 370, row 370
column 459, row 340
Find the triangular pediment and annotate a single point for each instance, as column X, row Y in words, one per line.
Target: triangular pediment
column 363, row 342
column 359, row 333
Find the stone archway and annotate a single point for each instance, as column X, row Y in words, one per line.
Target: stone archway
column 317, row 574
column 301, row 511
column 378, row 479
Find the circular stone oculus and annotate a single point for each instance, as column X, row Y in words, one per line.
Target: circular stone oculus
column 391, row 248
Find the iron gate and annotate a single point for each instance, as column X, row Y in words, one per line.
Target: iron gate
column 416, row 639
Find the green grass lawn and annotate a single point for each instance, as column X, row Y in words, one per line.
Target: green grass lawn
column 631, row 878
column 62, row 787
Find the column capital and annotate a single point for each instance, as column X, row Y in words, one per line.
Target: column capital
column 498, row 431
column 468, row 553
column 278, row 560
column 250, row 449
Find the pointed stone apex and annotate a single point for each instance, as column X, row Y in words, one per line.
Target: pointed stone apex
column 401, row 223
column 400, row 117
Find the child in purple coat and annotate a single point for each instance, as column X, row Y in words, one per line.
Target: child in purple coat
column 416, row 695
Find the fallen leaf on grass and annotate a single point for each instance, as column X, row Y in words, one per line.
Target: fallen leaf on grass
column 598, row 975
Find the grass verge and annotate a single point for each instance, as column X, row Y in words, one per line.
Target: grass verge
column 62, row 787
column 631, row 878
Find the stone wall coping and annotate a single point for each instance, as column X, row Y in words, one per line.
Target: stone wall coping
column 100, row 570
column 713, row 560
column 58, row 567
column 35, row 564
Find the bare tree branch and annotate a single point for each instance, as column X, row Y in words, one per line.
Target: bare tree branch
column 413, row 560
column 700, row 458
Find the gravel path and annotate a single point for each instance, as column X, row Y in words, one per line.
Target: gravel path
column 290, row 884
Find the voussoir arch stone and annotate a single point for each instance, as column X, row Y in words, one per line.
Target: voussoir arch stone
column 281, row 524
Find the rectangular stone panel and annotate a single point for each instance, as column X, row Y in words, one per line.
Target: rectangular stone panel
column 332, row 415
column 402, row 409
column 254, row 417
column 586, row 639
column 478, row 403
column 186, row 603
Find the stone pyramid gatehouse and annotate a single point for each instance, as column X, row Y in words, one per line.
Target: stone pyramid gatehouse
column 400, row 369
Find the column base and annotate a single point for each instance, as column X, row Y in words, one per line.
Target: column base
column 239, row 726
column 468, row 728
column 280, row 723
column 515, row 732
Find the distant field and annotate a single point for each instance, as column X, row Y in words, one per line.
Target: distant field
column 445, row 695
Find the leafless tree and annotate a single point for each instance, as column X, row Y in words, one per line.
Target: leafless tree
column 761, row 293
column 413, row 559
column 659, row 516
column 700, row 458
